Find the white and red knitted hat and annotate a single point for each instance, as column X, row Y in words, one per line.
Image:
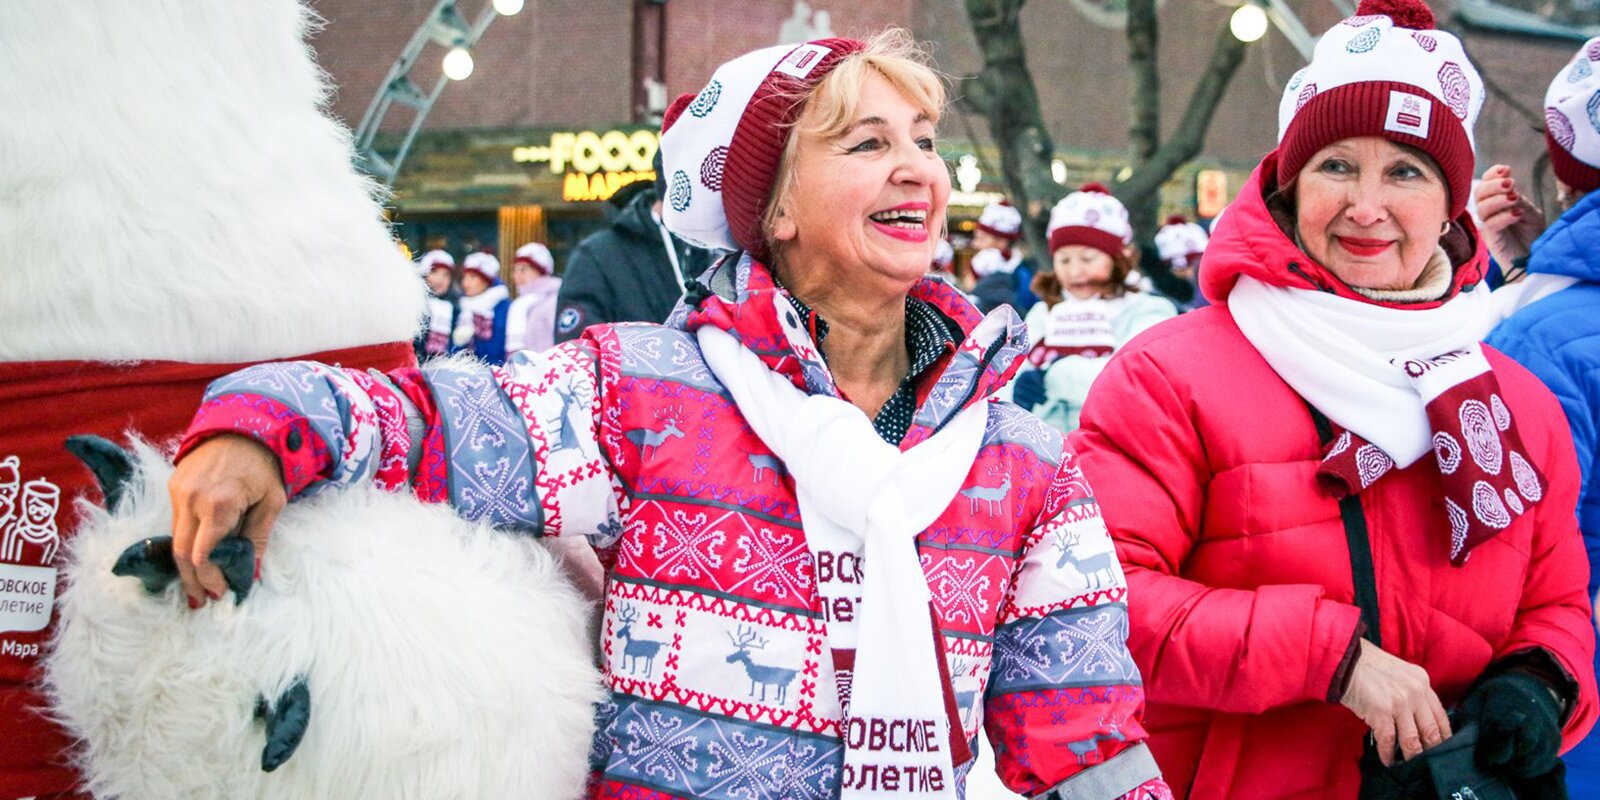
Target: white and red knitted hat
column 1572, row 120
column 1180, row 239
column 435, row 259
column 537, row 256
column 1090, row 217
column 483, row 264
column 720, row 148
column 1385, row 72
column 1001, row 219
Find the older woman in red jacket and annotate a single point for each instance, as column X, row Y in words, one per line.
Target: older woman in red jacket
column 1339, row 513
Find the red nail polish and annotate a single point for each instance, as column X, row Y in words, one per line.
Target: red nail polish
column 213, row 595
column 1512, row 196
column 1505, row 184
column 193, row 603
column 258, row 568
column 1516, row 212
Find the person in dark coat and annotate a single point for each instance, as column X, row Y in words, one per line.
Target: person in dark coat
column 626, row 272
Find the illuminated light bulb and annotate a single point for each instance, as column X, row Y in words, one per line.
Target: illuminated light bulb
column 458, row 64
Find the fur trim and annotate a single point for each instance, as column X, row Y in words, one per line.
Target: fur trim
column 175, row 190
column 444, row 659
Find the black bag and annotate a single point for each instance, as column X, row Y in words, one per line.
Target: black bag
column 1448, row 772
column 1444, row 772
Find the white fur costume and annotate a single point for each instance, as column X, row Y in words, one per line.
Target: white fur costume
column 170, row 189
column 444, row 660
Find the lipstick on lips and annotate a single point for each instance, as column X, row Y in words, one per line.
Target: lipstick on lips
column 907, row 222
column 1364, row 248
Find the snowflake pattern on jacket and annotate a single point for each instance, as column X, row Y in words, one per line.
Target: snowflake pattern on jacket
column 714, row 636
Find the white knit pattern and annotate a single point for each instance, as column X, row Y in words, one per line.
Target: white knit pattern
column 1179, row 241
column 695, row 149
column 1092, row 210
column 1001, row 217
column 1572, row 105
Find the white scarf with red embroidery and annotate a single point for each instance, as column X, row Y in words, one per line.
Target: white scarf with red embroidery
column 1400, row 383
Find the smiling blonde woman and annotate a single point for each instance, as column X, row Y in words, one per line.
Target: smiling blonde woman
column 832, row 559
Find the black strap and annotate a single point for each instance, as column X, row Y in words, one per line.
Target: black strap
column 1362, row 576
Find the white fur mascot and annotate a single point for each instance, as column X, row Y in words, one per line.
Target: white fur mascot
column 175, row 204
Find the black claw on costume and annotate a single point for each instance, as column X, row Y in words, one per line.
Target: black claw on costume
column 286, row 722
column 112, row 466
column 150, row 560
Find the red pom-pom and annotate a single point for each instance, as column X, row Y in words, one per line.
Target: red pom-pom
column 1094, row 187
column 675, row 110
column 1177, row 219
column 1411, row 14
column 1005, row 201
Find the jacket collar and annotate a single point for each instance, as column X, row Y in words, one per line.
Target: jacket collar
column 745, row 301
column 1250, row 239
column 1568, row 246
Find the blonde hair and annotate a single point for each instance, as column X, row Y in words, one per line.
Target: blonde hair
column 830, row 106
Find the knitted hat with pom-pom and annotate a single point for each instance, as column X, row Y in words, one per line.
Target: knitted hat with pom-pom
column 1090, row 217
column 1385, row 72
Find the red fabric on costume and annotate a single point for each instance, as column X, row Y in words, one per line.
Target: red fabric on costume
column 41, row 404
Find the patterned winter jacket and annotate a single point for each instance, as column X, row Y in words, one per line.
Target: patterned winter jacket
column 714, row 635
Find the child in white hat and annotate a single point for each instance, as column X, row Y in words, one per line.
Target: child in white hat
column 485, row 307
column 531, row 322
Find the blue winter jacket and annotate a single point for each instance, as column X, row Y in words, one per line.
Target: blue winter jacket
column 1558, row 339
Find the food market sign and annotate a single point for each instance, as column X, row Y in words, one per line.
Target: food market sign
column 595, row 164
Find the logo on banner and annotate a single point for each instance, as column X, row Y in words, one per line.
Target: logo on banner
column 28, row 543
column 1408, row 114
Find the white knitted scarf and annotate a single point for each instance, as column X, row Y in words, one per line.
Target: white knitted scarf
column 863, row 497
column 1343, row 355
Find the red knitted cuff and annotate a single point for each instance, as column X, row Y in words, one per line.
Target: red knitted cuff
column 301, row 453
column 1347, row 666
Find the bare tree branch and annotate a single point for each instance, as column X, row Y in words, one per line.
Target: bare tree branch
column 1144, row 127
column 1141, row 190
column 1015, row 121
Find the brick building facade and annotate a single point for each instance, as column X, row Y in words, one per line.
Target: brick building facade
column 570, row 65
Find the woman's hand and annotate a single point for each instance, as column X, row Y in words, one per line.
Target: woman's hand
column 1394, row 698
column 1510, row 220
column 227, row 482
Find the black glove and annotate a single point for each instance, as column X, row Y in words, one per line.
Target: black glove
column 1519, row 724
column 1029, row 389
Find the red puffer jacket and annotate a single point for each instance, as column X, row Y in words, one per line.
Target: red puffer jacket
column 1239, row 577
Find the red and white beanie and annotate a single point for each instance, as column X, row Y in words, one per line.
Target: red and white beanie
column 1180, row 239
column 435, row 259
column 1572, row 120
column 1385, row 72
column 483, row 264
column 1002, row 220
column 720, row 148
column 537, row 256
column 1090, row 217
